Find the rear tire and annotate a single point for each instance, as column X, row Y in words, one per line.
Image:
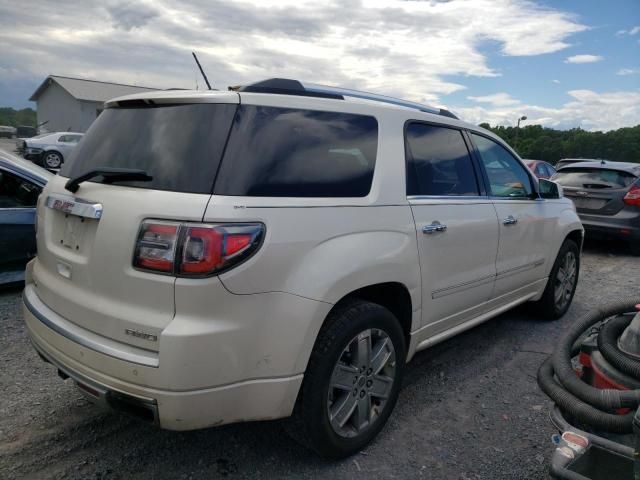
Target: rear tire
column 562, row 283
column 348, row 394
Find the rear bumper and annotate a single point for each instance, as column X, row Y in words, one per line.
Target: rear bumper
column 159, row 393
column 624, row 225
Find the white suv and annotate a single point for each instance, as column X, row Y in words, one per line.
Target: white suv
column 282, row 250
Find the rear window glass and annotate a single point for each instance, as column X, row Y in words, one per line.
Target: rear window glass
column 178, row 145
column 594, row 178
column 282, row 152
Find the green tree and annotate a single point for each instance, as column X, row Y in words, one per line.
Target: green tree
column 540, row 143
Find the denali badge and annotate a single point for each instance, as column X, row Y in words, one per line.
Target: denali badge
column 143, row 335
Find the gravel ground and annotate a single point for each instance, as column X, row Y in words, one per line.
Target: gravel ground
column 469, row 409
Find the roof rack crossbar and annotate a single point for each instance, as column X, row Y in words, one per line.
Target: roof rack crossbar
column 286, row 86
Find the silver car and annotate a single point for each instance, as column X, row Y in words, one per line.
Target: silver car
column 50, row 149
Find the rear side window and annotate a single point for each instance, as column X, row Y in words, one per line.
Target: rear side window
column 178, row 145
column 594, row 178
column 438, row 162
column 281, row 152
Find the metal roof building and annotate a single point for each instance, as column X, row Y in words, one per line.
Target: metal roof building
column 72, row 104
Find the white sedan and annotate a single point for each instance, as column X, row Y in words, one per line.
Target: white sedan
column 50, row 149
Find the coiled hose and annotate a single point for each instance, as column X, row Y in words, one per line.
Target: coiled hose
column 587, row 404
column 608, row 346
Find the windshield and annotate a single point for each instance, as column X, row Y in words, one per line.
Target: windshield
column 178, row 145
column 593, row 178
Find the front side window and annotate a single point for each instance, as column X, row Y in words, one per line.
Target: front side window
column 438, row 162
column 284, row 152
column 507, row 176
column 16, row 192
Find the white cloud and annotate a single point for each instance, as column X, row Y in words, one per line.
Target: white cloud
column 584, row 59
column 405, row 48
column 555, row 81
column 632, row 31
column 497, row 99
column 628, row 71
column 587, row 109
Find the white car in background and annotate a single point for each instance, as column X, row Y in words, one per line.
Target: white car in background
column 49, row 149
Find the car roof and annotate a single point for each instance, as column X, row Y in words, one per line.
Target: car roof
column 633, row 168
column 315, row 93
column 25, row 167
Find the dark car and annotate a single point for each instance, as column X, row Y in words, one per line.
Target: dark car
column 607, row 198
column 540, row 168
column 20, row 184
column 25, row 131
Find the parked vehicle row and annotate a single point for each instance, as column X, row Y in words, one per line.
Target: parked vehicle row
column 283, row 252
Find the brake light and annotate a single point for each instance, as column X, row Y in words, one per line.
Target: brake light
column 194, row 249
column 633, row 196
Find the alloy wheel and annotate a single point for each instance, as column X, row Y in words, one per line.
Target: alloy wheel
column 361, row 383
column 565, row 280
column 52, row 160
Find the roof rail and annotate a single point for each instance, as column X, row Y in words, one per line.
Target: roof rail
column 286, row 86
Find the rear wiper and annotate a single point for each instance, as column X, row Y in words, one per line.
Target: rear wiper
column 109, row 175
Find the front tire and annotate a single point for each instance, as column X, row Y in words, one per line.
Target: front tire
column 352, row 381
column 562, row 283
column 51, row 160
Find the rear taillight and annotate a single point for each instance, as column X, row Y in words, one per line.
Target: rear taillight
column 195, row 249
column 633, row 196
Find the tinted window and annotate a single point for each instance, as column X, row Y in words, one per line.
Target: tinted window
column 179, row 145
column 507, row 176
column 594, row 178
column 16, row 192
column 438, row 162
column 279, row 152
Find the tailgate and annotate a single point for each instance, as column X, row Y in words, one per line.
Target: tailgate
column 84, row 268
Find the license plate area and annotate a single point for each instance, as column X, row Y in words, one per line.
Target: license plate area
column 69, row 231
column 589, row 203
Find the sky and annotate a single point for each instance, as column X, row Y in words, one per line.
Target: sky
column 561, row 63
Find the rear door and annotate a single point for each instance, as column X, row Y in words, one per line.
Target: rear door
column 526, row 222
column 86, row 239
column 456, row 226
column 594, row 190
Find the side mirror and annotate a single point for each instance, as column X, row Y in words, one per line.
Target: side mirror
column 550, row 190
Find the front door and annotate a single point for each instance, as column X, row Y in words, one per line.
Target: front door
column 526, row 225
column 456, row 224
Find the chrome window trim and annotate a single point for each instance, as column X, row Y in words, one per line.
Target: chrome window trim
column 74, row 206
column 447, row 197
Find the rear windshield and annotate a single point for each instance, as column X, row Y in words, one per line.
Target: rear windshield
column 178, row 145
column 594, row 178
column 282, row 152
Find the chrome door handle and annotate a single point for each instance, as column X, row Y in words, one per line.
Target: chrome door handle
column 510, row 220
column 434, row 227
